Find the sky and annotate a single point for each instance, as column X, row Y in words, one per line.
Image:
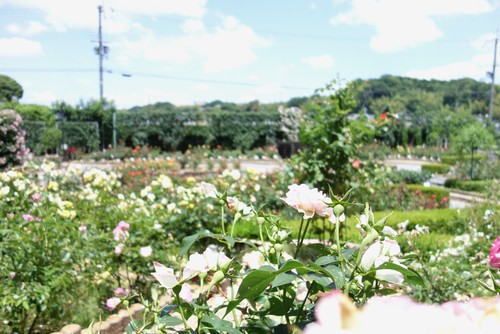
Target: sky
column 196, row 51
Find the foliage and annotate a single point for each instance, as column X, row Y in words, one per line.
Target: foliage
column 462, row 261
column 331, row 141
column 469, row 185
column 281, row 291
column 454, row 159
column 436, row 168
column 471, row 139
column 10, row 89
column 12, row 146
column 409, row 176
column 179, row 130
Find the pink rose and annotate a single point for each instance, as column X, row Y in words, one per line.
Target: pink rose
column 28, row 217
column 36, row 197
column 120, row 292
column 82, row 229
column 112, row 303
column 124, row 226
column 119, row 249
column 356, row 164
column 495, row 254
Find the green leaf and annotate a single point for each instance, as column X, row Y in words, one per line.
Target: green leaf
column 324, row 260
column 336, row 274
column 258, row 280
column 170, row 321
column 322, row 280
column 331, row 271
column 213, row 322
column 134, row 326
column 189, row 241
column 282, row 279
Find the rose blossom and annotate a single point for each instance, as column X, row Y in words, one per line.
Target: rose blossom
column 28, row 217
column 495, row 254
column 120, row 291
column 165, row 276
column 146, row 251
column 112, row 303
column 82, row 229
column 308, row 201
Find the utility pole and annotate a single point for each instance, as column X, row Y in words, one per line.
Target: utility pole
column 102, row 51
column 492, row 74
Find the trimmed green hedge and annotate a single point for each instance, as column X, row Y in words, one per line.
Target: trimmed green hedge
column 467, row 185
column 454, row 159
column 436, row 168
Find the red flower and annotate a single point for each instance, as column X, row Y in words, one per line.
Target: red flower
column 383, row 116
column 356, row 164
column 417, row 191
column 433, row 196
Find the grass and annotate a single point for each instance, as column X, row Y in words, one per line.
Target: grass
column 440, row 221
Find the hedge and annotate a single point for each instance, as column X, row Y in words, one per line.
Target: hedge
column 436, row 168
column 467, row 185
column 454, row 159
column 429, row 191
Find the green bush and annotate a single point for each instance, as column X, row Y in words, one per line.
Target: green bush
column 454, row 159
column 436, row 168
column 429, row 191
column 408, row 176
column 468, row 185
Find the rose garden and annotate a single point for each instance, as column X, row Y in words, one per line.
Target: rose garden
column 329, row 240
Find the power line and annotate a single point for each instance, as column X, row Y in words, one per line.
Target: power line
column 152, row 75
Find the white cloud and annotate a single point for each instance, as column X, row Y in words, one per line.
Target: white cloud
column 400, row 24
column 269, row 89
column 474, row 68
column 19, row 47
column 32, row 28
column 193, row 26
column 62, row 15
column 228, row 46
column 323, row 61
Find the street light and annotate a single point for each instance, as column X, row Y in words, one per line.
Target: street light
column 60, row 118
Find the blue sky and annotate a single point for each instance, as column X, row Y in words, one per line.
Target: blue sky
column 196, row 51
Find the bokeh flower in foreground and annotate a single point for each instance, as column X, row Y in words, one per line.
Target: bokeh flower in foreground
column 495, row 254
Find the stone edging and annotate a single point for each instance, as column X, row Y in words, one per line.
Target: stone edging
column 114, row 324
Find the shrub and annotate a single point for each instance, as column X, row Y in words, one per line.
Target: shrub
column 409, row 176
column 469, row 185
column 12, row 146
column 454, row 159
column 440, row 193
column 436, row 168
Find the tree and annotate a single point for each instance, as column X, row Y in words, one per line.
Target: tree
column 471, row 139
column 9, row 89
column 331, row 141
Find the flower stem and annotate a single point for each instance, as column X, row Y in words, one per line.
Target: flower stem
column 298, row 238
column 186, row 326
column 222, row 220
column 337, row 238
column 262, row 240
column 235, row 316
